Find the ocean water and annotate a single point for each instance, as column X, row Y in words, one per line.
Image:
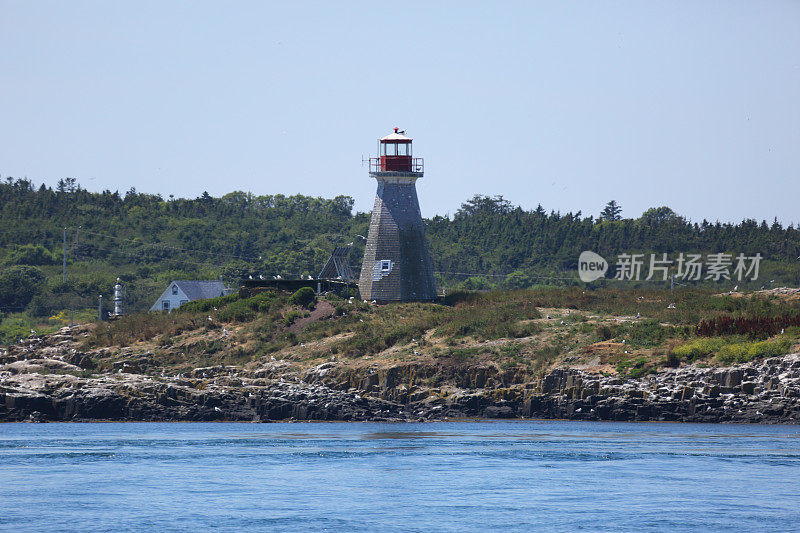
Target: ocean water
column 449, row 476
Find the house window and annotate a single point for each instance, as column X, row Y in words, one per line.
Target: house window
column 386, row 265
column 165, row 305
column 174, row 289
column 183, row 302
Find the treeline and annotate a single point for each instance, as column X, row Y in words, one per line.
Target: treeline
column 490, row 235
column 148, row 240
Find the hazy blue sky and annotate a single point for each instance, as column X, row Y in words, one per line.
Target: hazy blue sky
column 694, row 105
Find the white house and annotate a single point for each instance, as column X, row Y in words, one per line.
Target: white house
column 181, row 291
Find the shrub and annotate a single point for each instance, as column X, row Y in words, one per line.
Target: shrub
column 748, row 351
column 697, row 348
column 754, row 326
column 290, row 317
column 238, row 311
column 673, row 361
column 731, row 350
column 204, row 306
column 647, row 333
column 604, row 333
column 304, row 297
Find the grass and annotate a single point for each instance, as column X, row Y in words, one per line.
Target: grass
column 16, row 326
column 503, row 327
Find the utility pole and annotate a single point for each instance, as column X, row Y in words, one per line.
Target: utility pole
column 100, row 309
column 64, row 275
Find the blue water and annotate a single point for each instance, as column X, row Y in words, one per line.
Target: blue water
column 450, row 476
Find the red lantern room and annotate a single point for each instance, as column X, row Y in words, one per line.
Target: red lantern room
column 396, row 155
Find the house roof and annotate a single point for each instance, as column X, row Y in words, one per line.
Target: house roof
column 201, row 290
column 396, row 137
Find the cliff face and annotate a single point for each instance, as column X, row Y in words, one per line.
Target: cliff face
column 51, row 379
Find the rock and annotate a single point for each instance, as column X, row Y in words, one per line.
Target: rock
column 498, row 412
column 749, row 387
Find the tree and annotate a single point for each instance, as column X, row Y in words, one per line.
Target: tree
column 659, row 215
column 19, row 284
column 29, row 254
column 612, row 211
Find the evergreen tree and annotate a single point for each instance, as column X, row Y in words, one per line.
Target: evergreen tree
column 612, row 211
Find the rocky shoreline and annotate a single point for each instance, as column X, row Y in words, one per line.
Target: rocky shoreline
column 48, row 379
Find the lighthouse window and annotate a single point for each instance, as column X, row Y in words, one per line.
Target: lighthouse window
column 386, row 265
column 390, row 149
column 402, row 149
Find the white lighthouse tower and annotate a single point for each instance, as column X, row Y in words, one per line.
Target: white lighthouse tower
column 397, row 265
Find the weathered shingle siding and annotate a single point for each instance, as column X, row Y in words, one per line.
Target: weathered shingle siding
column 397, row 234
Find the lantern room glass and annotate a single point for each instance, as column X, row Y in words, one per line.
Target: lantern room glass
column 395, row 149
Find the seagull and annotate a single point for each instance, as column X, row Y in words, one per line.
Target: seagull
column 638, row 315
column 562, row 322
column 350, row 244
column 548, row 317
column 250, row 276
column 736, row 288
column 782, row 330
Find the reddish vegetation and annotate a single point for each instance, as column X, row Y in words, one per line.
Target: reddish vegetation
column 760, row 326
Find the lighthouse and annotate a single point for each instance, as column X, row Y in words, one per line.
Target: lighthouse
column 397, row 265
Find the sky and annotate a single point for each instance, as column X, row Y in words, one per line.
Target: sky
column 690, row 104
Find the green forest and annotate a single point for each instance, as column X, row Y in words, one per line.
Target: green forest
column 147, row 240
